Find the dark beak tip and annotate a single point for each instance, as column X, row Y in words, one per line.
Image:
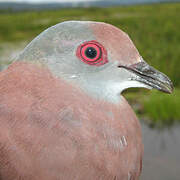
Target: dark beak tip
column 170, row 89
column 168, row 86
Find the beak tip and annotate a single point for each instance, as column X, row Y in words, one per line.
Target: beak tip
column 168, row 88
column 171, row 90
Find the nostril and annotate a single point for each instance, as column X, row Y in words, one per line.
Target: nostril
column 120, row 66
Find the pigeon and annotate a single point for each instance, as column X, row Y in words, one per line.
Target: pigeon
column 62, row 115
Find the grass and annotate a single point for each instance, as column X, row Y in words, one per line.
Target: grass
column 153, row 28
column 164, row 106
column 156, row 108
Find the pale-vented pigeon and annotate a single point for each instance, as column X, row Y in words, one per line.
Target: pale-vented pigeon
column 62, row 116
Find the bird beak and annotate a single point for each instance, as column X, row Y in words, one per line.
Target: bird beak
column 150, row 76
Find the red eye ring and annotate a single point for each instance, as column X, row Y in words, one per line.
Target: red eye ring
column 92, row 53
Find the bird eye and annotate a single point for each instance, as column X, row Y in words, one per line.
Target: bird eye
column 92, row 53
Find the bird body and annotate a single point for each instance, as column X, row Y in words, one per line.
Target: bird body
column 61, row 113
column 45, row 123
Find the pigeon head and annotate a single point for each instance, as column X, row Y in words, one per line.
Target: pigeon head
column 96, row 57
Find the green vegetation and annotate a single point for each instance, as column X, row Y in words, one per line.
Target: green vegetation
column 156, row 108
column 164, row 106
column 153, row 28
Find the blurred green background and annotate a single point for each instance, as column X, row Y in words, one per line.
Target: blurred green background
column 155, row 30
